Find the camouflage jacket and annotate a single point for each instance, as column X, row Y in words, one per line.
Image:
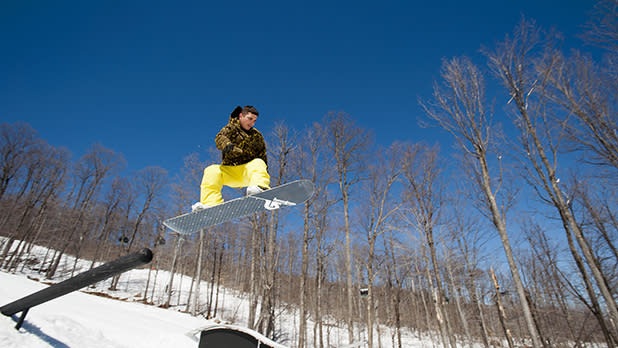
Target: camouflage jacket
column 250, row 142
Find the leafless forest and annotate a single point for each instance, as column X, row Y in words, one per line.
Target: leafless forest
column 507, row 238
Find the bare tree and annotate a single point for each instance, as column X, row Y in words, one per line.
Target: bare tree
column 348, row 144
column 89, row 174
column 186, row 186
column 469, row 241
column 460, row 108
column 185, row 191
column 311, row 162
column 513, row 61
column 111, row 203
column 452, row 265
column 586, row 92
column 16, row 141
column 170, row 285
column 150, row 183
column 323, row 249
column 602, row 28
column 549, row 278
column 376, row 214
column 280, row 150
column 501, row 310
column 20, row 149
column 254, row 245
column 422, row 175
column 43, row 179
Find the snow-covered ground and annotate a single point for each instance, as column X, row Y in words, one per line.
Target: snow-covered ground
column 84, row 320
column 80, row 319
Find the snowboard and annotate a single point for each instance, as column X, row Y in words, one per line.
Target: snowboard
column 290, row 194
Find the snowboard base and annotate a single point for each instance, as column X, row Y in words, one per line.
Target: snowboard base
column 290, row 194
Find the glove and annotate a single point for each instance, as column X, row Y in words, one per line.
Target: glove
column 198, row 206
column 232, row 150
column 236, row 112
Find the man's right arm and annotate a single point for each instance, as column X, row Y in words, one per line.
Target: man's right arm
column 225, row 145
column 222, row 140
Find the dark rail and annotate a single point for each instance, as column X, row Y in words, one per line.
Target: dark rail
column 81, row 280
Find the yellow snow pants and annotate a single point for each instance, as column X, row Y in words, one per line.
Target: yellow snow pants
column 217, row 175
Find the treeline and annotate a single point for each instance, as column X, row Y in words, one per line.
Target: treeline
column 82, row 206
column 402, row 237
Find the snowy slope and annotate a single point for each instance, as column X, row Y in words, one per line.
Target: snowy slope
column 83, row 320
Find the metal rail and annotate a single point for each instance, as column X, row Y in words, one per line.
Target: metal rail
column 81, row 280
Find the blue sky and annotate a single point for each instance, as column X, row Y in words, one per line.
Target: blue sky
column 156, row 80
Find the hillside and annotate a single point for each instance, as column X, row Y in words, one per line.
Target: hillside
column 97, row 317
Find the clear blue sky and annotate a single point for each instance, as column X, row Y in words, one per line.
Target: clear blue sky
column 156, row 80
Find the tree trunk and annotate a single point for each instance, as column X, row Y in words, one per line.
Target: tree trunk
column 500, row 225
column 198, row 277
column 302, row 325
column 348, row 267
column 170, row 286
column 501, row 312
column 253, row 286
column 457, row 295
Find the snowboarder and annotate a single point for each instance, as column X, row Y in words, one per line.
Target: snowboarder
column 244, row 162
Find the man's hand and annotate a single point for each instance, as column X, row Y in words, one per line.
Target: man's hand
column 198, row 206
column 232, row 150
